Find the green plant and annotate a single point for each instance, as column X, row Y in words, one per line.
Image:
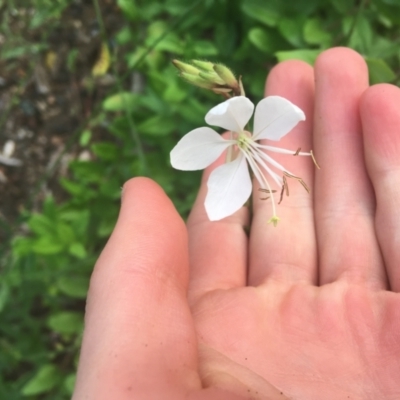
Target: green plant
column 49, row 257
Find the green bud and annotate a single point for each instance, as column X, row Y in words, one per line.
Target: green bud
column 184, row 67
column 206, row 66
column 223, row 91
column 197, row 80
column 226, row 75
column 211, row 77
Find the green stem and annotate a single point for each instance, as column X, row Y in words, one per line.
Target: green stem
column 127, row 109
column 100, row 20
column 353, row 26
column 164, row 34
column 134, row 133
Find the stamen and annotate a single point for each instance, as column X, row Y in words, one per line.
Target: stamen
column 281, row 197
column 297, row 152
column 259, row 175
column 258, row 156
column 314, row 160
column 285, row 188
column 298, row 179
column 267, row 190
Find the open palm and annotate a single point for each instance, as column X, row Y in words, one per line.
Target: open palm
column 307, row 310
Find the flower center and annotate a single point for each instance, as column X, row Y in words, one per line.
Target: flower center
column 243, row 140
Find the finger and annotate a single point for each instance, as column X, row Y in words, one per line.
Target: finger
column 288, row 252
column 344, row 202
column 217, row 249
column 138, row 326
column 380, row 117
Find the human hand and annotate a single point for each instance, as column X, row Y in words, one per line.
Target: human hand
column 307, row 310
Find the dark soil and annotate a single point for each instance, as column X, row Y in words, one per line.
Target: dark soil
column 47, row 99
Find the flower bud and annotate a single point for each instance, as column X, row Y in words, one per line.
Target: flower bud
column 212, row 77
column 184, row 67
column 226, row 75
column 206, row 66
column 197, row 80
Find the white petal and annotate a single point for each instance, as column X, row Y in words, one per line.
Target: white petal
column 12, row 162
column 275, row 117
column 229, row 186
column 198, row 149
column 232, row 114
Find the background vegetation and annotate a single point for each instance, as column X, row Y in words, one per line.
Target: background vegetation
column 50, row 245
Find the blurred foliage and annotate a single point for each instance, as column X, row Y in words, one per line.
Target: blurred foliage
column 45, row 271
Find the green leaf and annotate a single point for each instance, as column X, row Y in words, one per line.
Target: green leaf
column 389, row 10
column 47, row 245
column 41, row 224
column 106, row 151
column 85, row 137
column 261, row 39
column 129, row 8
column 124, row 36
column 153, row 58
column 74, row 286
column 174, row 93
column 121, row 102
column 22, row 246
column 171, row 43
column 78, row 219
column 66, row 322
column 379, row 71
column 343, row 6
column 309, row 56
column 265, row 12
column 150, row 10
column 361, row 33
column 43, row 381
column 158, row 125
column 65, row 233
column 314, row 33
column 392, row 2
column 111, row 189
column 204, row 48
column 74, row 188
column 69, row 383
column 87, row 171
column 18, row 51
column 78, row 250
column 292, row 30
column 4, row 295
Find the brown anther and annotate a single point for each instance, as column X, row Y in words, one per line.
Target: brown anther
column 281, row 197
column 266, row 190
column 298, row 179
column 285, row 185
column 314, row 160
column 297, row 152
column 285, row 188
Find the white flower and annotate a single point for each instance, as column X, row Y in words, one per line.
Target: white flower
column 229, row 185
column 8, row 151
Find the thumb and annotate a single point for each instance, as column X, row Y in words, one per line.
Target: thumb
column 139, row 336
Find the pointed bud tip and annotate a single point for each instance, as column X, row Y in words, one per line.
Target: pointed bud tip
column 226, row 75
column 185, row 67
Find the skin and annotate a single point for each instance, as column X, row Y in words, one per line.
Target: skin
column 307, row 310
